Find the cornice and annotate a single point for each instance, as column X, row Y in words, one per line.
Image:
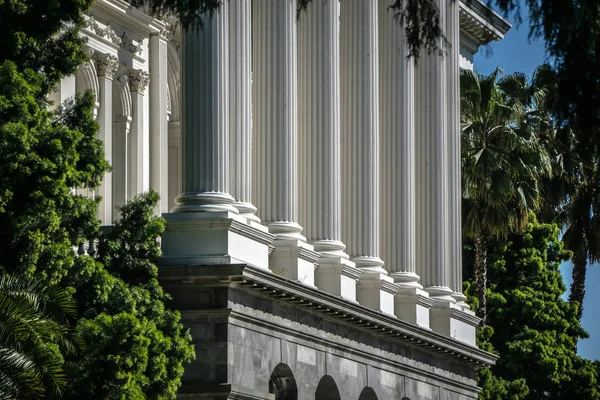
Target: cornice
column 121, row 12
column 481, row 23
column 281, row 289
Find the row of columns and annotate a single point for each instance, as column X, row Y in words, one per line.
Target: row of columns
column 135, row 145
column 355, row 153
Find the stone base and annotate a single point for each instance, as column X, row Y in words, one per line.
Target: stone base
column 413, row 305
column 337, row 276
column 214, row 238
column 452, row 320
column 376, row 291
column 295, row 260
column 255, row 332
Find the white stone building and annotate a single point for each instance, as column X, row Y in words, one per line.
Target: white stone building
column 309, row 173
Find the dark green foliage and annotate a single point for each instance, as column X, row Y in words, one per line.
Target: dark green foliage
column 34, row 332
column 530, row 327
column 138, row 345
column 135, row 346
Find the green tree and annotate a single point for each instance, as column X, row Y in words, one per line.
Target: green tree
column 530, row 327
column 136, row 347
column 139, row 345
column 35, row 329
column 570, row 193
column 502, row 163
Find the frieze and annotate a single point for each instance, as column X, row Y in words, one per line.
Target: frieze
column 107, row 32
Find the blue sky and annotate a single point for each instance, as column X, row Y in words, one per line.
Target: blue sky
column 516, row 53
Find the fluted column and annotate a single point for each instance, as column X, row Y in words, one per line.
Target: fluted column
column 205, row 116
column 433, row 264
column 106, row 66
column 275, row 115
column 159, row 147
column 275, row 118
column 205, row 227
column 454, row 160
column 360, row 126
column 360, row 148
column 398, row 150
column 397, row 116
column 319, row 131
column 240, row 106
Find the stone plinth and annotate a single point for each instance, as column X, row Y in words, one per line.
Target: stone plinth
column 214, row 238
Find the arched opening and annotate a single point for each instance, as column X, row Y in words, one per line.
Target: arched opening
column 327, row 389
column 367, row 394
column 282, row 385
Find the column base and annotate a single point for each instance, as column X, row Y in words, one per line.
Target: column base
column 452, row 320
column 214, row 238
column 337, row 276
column 376, row 290
column 413, row 305
column 295, row 260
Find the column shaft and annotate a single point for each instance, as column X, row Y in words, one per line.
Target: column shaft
column 319, row 126
column 432, row 175
column 120, row 158
column 454, row 160
column 107, row 66
column 275, row 117
column 139, row 161
column 158, row 120
column 360, row 127
column 205, row 116
column 240, row 106
column 397, row 93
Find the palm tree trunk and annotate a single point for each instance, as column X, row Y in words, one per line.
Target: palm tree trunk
column 578, row 286
column 480, row 272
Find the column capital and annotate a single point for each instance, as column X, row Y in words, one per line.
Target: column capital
column 138, row 80
column 107, row 65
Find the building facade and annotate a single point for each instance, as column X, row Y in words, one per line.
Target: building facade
column 309, row 173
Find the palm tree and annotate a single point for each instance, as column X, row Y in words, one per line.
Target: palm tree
column 502, row 164
column 571, row 193
column 34, row 328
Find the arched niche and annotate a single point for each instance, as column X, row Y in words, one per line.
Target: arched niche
column 367, row 394
column 282, row 385
column 327, row 389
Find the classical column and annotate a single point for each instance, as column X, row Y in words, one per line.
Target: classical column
column 454, row 179
column 205, row 228
column 319, row 131
column 397, row 117
column 432, row 175
column 240, row 107
column 120, row 157
column 106, row 66
column 360, row 150
column 174, row 161
column 434, row 228
column 275, row 63
column 159, row 173
column 139, row 162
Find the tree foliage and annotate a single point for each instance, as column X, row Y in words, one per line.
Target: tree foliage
column 503, row 163
column 34, row 333
column 530, row 326
column 135, row 345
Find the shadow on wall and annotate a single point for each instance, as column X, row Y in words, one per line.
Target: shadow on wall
column 368, row 394
column 327, row 389
column 282, row 385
